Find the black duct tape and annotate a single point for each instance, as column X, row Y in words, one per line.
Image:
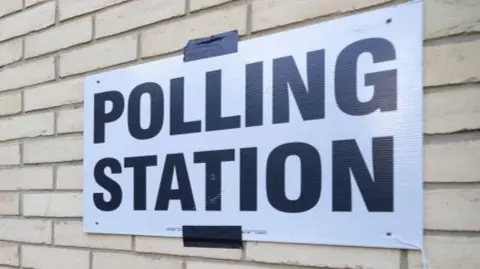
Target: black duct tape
column 212, row 236
column 215, row 45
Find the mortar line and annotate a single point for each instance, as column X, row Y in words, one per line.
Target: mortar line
column 139, row 46
column 20, row 255
column 22, row 101
column 52, row 238
column 57, row 13
column 90, row 259
column 187, row 7
column 56, row 62
column 403, row 259
column 94, row 19
column 55, row 178
column 55, row 123
column 20, row 203
column 249, row 17
column 23, row 41
column 21, row 149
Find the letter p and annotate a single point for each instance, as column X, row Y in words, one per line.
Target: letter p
column 101, row 117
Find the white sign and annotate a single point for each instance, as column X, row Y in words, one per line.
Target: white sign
column 312, row 135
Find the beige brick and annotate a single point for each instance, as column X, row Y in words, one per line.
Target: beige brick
column 10, row 51
column 127, row 261
column 9, row 204
column 453, row 109
column 27, row 126
column 22, row 23
column 271, row 13
column 10, row 103
column 453, row 162
column 174, row 246
column 26, row 178
column 9, row 154
column 452, row 63
column 70, row 177
column 52, row 204
column 121, row 18
column 454, row 209
column 55, row 94
column 33, row 2
column 201, row 4
column 444, row 18
column 199, row 25
column 26, row 230
column 27, row 74
column 70, row 121
column 43, row 257
column 59, row 149
column 448, row 252
column 72, row 8
column 322, row 256
column 9, row 6
column 60, row 37
column 99, row 55
column 9, row 254
column 70, row 233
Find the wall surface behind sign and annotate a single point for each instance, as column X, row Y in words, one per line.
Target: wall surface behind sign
column 46, row 49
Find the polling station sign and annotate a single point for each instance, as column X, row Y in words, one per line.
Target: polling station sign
column 310, row 135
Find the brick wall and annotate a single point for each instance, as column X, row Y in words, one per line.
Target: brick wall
column 46, row 49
